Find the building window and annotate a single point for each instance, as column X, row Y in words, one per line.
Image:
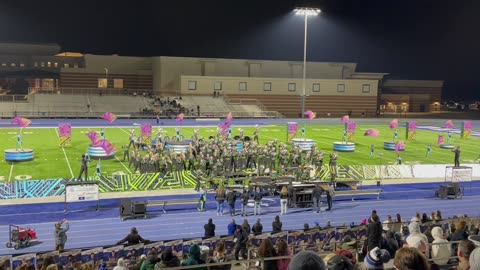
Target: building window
column 37, row 83
column 55, row 64
column 22, row 65
column 242, row 86
column 4, row 64
column 292, row 87
column 267, row 86
column 42, row 64
column 47, row 84
column 66, row 65
column 217, row 86
column 118, row 83
column 192, row 85
column 13, row 64
column 316, row 87
column 49, row 64
column 340, row 87
column 365, row 88
column 102, row 83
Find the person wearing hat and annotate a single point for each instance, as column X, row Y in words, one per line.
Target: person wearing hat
column 61, row 234
column 194, row 257
column 121, row 265
column 167, row 259
column 339, row 262
column 257, row 228
column 307, row 260
column 376, row 258
column 132, row 238
column 475, row 259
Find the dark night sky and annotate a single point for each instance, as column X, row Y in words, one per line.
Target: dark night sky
column 410, row 39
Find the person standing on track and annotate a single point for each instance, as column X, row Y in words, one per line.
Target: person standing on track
column 61, row 234
column 83, row 167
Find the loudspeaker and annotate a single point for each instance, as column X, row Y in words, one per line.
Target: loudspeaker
column 139, row 208
column 125, row 207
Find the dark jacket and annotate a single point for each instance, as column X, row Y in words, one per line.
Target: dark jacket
column 220, row 260
column 276, row 227
column 132, row 239
column 220, row 196
column 258, row 197
column 167, row 260
column 317, row 192
column 242, row 238
column 246, row 228
column 270, row 264
column 257, row 228
column 209, row 230
column 374, row 235
column 231, row 197
column 245, row 197
column 194, row 254
column 231, row 228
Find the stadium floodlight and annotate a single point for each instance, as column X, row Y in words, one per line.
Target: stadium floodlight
column 305, row 11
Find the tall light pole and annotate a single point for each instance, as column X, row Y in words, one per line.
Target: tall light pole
column 305, row 11
column 106, row 76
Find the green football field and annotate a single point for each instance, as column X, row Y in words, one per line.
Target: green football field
column 51, row 161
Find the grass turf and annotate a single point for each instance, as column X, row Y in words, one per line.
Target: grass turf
column 52, row 162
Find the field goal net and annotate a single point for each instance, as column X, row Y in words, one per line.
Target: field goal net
column 458, row 174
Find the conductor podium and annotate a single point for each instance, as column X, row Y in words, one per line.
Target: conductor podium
column 15, row 155
column 97, row 152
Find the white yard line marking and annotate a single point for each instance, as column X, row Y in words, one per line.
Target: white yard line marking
column 126, row 168
column 11, row 170
column 65, row 155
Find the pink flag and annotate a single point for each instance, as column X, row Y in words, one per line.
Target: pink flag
column 107, row 146
column 372, row 132
column 22, row 122
column 310, row 115
column 93, row 136
column 146, row 130
column 412, row 126
column 393, row 124
column 110, row 117
column 440, row 139
column 65, row 130
column 467, row 125
column 229, row 118
column 449, row 124
column 345, row 119
column 399, row 146
column 180, row 117
column 351, row 126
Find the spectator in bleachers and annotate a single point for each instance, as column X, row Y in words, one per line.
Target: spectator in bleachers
column 266, row 250
column 276, row 225
column 433, row 216
column 349, row 244
column 475, row 259
column 150, row 261
column 439, row 215
column 399, row 218
column 121, row 265
column 240, row 239
column 282, row 250
column 220, row 256
column 194, row 257
column 351, row 256
column 103, row 266
column 408, row 258
column 49, row 264
column 339, row 262
column 257, row 228
column 391, row 243
column 425, row 218
column 167, row 259
column 209, row 229
column 376, row 258
column 246, row 226
column 231, row 227
column 388, row 224
column 465, row 248
column 441, row 250
column 374, row 232
column 306, row 227
column 307, row 260
column 132, row 238
column 417, row 239
column 460, row 232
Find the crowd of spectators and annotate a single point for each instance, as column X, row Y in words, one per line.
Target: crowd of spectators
column 423, row 243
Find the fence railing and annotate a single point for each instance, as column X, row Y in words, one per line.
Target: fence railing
column 14, row 98
column 91, row 91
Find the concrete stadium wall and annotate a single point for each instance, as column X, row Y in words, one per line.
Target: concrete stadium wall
column 279, row 86
column 167, row 70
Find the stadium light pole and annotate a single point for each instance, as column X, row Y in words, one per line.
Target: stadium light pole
column 305, row 11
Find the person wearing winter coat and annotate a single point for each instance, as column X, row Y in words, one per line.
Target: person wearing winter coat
column 209, row 229
column 276, row 225
column 194, row 257
column 374, row 232
column 441, row 249
column 231, row 198
column 244, row 200
column 257, row 228
column 121, row 265
column 167, row 260
column 240, row 239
